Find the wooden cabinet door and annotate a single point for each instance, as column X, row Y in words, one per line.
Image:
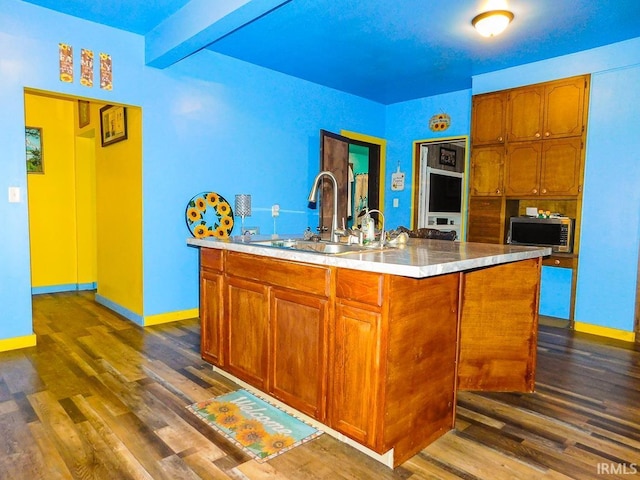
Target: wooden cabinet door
column 522, row 169
column 355, row 373
column 211, row 311
column 524, row 118
column 561, row 171
column 564, row 108
column 298, row 350
column 489, row 118
column 247, row 325
column 487, row 164
column 486, row 220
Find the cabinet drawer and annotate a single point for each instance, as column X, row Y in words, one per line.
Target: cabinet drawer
column 270, row 271
column 557, row 261
column 365, row 287
column 211, row 259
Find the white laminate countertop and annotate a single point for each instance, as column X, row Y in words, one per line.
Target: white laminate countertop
column 418, row 258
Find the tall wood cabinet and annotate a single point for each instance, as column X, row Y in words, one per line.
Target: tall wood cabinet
column 528, row 150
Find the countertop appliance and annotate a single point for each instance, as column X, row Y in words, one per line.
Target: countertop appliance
column 554, row 232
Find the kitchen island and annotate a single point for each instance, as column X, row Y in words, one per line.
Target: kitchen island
column 372, row 344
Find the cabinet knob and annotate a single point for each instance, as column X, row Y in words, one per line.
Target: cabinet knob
column 556, row 262
column 500, row 139
column 537, row 135
column 497, row 190
column 535, row 190
column 547, row 134
column 544, row 190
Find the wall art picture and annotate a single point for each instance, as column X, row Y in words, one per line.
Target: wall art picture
column 84, row 113
column 113, row 124
column 65, row 53
column 33, row 140
column 106, row 72
column 447, row 157
column 86, row 68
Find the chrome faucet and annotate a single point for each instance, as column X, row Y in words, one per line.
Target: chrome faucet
column 335, row 237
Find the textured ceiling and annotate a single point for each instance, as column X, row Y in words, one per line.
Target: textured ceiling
column 383, row 50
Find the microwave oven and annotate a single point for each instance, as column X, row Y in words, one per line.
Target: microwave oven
column 555, row 232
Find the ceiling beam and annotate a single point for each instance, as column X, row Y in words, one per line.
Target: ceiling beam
column 199, row 24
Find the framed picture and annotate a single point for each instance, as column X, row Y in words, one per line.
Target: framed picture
column 84, row 113
column 33, row 140
column 113, row 124
column 447, row 157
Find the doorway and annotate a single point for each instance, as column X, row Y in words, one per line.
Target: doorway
column 357, row 166
column 85, row 207
column 440, row 184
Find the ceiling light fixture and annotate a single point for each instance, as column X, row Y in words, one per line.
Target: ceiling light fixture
column 492, row 23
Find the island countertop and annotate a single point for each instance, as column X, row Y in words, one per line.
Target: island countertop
column 418, row 258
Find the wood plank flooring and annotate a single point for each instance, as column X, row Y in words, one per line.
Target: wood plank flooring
column 99, row 397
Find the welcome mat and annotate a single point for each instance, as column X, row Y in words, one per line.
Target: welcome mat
column 257, row 427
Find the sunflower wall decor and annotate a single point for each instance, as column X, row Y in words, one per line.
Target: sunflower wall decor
column 208, row 214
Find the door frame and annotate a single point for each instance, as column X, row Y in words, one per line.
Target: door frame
column 415, row 175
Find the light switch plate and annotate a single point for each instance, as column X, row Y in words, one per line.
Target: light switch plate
column 14, row 194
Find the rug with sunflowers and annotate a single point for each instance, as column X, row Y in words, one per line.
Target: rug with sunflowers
column 260, row 429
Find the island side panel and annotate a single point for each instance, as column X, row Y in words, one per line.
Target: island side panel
column 498, row 327
column 420, row 368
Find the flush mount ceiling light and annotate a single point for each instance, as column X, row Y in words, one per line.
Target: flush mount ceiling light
column 492, row 23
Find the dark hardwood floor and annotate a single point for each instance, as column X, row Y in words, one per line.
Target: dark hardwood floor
column 102, row 398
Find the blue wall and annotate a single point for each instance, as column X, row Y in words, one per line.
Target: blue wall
column 608, row 262
column 408, row 122
column 209, row 123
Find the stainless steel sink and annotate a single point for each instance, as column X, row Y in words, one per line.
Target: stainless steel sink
column 324, row 247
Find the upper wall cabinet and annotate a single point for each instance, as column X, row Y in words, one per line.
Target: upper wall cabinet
column 547, row 111
column 489, row 119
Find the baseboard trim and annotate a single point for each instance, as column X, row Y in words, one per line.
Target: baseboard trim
column 605, row 331
column 17, row 343
column 169, row 317
column 125, row 312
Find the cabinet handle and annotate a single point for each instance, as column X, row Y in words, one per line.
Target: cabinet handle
column 556, row 262
column 537, row 135
column 497, row 190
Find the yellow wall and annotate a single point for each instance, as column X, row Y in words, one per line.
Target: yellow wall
column 85, row 211
column 53, row 223
column 119, row 216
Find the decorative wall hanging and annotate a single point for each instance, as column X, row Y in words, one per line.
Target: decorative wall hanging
column 106, row 72
column 113, row 124
column 209, row 215
column 84, row 113
column 397, row 180
column 447, row 157
column 439, row 122
column 65, row 53
column 86, row 68
column 33, row 140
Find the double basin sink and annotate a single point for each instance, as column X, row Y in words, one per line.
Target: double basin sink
column 322, row 246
